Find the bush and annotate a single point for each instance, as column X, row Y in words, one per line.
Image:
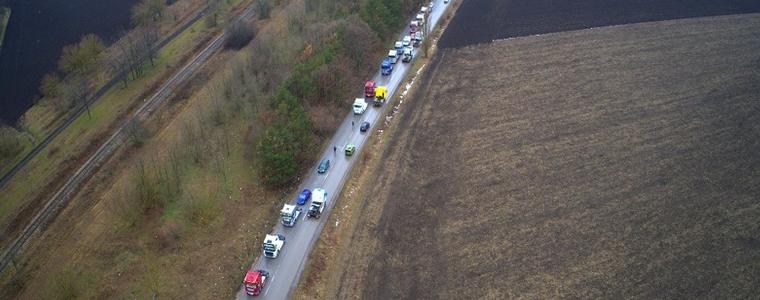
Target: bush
column 10, row 144
column 264, row 8
column 238, row 35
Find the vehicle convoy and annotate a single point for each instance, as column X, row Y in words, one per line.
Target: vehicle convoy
column 393, row 56
column 369, row 89
column 359, row 106
column 380, row 95
column 303, row 197
column 273, row 245
column 386, row 67
column 254, row 281
column 408, row 55
column 318, row 203
column 289, row 214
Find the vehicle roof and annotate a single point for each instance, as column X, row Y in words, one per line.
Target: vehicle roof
column 392, row 52
column 252, row 277
column 359, row 100
column 288, row 209
column 380, row 88
column 319, row 196
column 369, row 83
column 270, row 238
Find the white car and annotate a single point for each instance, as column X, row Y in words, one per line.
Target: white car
column 431, row 5
column 360, row 106
column 406, row 41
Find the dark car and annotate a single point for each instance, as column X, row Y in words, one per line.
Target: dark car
column 323, row 166
column 364, row 127
column 303, row 197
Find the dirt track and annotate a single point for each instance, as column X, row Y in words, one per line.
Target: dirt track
column 497, row 19
column 608, row 163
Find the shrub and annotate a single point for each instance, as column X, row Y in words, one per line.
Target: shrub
column 238, row 35
column 10, row 144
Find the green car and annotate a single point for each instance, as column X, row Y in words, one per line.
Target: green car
column 350, row 148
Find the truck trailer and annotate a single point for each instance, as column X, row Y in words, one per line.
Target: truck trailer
column 318, row 203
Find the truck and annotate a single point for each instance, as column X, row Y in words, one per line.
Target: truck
column 359, row 106
column 414, row 26
column 417, row 38
column 254, row 281
column 393, row 56
column 318, row 203
column 369, row 89
column 399, row 47
column 380, row 94
column 289, row 215
column 386, row 67
column 273, row 245
column 408, row 54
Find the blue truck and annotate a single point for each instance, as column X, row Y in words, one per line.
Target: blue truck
column 386, row 67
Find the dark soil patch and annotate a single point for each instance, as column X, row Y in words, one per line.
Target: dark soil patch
column 612, row 163
column 498, row 19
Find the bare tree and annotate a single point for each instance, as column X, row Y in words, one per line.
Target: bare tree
column 148, row 11
column 149, row 37
column 81, row 58
column 76, row 90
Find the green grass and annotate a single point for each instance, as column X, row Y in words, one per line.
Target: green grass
column 42, row 170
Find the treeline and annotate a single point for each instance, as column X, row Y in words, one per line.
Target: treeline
column 80, row 64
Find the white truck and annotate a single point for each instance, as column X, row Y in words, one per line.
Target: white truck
column 273, row 245
column 359, row 106
column 393, row 56
column 408, row 54
column 318, row 203
column 289, row 215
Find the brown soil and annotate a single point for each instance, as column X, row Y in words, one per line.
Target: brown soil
column 609, row 163
column 498, row 19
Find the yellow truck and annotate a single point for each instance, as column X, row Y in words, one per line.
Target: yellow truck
column 380, row 94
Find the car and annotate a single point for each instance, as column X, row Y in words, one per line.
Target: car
column 364, row 127
column 303, row 197
column 432, row 3
column 445, row 1
column 406, row 41
column 350, row 149
column 323, row 166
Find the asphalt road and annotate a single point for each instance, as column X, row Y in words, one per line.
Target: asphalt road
column 286, row 269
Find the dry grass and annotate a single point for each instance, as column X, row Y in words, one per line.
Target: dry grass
column 615, row 162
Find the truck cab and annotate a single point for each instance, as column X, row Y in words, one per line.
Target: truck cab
column 386, row 67
column 273, row 245
column 399, row 47
column 289, row 215
column 408, row 55
column 318, row 203
column 254, row 281
column 359, row 106
column 369, row 89
column 380, row 94
column 393, row 56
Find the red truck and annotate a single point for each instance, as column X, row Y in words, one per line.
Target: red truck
column 369, row 89
column 254, row 281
